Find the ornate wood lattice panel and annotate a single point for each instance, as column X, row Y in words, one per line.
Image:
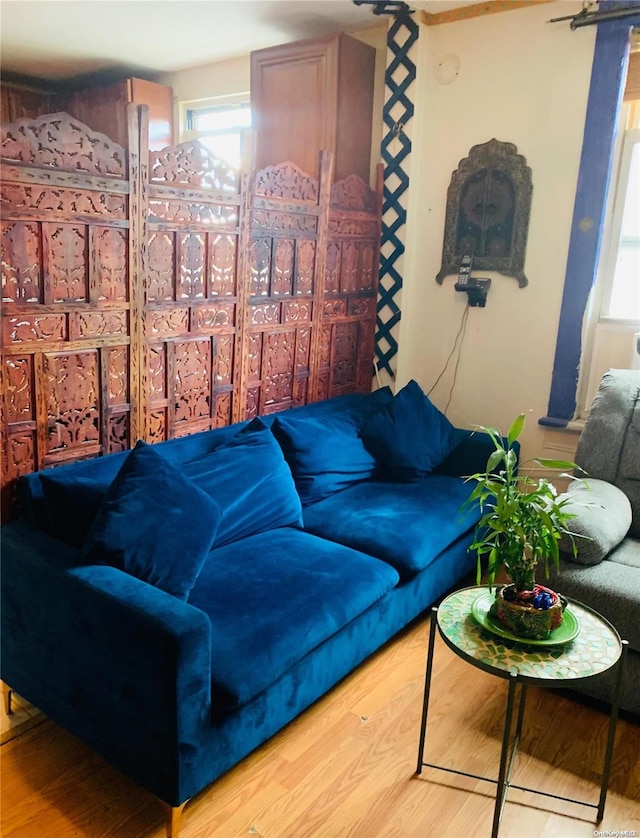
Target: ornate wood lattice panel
column 285, row 256
column 192, row 213
column 350, row 287
column 157, row 295
column 68, row 216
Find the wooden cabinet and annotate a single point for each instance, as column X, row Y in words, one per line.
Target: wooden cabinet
column 104, row 109
column 21, row 102
column 314, row 95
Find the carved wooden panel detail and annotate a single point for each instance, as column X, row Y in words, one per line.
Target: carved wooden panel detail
column 21, row 262
column 58, row 202
column 192, row 382
column 72, row 399
column 160, row 267
column 66, row 263
column 345, row 360
column 96, row 324
column 57, row 141
column 287, row 181
column 164, row 296
column 108, row 279
column 283, row 267
column 222, row 265
column 222, row 415
column 118, row 375
column 260, row 267
column 157, row 378
column 191, row 266
column 119, row 438
column 225, row 359
column 27, row 328
column 305, row 266
column 190, row 272
column 345, row 348
column 285, row 231
column 191, row 164
column 66, row 327
column 19, row 389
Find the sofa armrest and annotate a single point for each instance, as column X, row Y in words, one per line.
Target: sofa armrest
column 123, row 665
column 470, row 455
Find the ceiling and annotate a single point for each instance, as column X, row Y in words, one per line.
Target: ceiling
column 60, row 39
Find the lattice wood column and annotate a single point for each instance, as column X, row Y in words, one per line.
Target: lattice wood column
column 396, row 151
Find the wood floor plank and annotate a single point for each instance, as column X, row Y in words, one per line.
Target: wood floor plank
column 345, row 768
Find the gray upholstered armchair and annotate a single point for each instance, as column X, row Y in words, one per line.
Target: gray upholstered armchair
column 605, row 575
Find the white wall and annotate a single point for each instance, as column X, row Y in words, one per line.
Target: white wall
column 524, row 81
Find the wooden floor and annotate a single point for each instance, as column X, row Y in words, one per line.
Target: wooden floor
column 345, row 769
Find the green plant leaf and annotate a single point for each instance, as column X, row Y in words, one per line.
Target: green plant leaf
column 495, row 458
column 555, row 464
column 516, row 428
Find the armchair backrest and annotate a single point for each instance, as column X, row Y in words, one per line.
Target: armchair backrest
column 609, row 446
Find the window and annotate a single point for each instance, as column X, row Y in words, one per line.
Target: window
column 603, row 109
column 622, row 266
column 613, row 314
column 222, row 128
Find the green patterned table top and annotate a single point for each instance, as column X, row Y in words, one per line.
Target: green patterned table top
column 596, row 648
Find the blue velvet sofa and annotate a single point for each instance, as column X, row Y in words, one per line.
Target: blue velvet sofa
column 174, row 629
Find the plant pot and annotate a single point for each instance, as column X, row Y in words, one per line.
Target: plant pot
column 521, row 613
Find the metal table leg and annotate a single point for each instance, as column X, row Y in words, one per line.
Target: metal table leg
column 501, row 790
column 613, row 719
column 427, row 689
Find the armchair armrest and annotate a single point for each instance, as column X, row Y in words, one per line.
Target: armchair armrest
column 121, row 664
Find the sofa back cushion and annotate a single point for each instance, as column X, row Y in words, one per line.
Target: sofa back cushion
column 409, row 437
column 251, row 481
column 65, row 500
column 609, row 446
column 325, row 452
column 73, row 499
column 153, row 523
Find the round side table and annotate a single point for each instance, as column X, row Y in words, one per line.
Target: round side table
column 596, row 648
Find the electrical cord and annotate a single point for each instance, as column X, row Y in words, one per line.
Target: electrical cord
column 456, row 344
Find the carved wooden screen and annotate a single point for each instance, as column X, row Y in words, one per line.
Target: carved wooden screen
column 349, row 290
column 190, row 267
column 285, row 258
column 68, row 317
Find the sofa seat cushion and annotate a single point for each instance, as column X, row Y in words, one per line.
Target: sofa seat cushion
column 405, row 524
column 274, row 597
column 612, row 587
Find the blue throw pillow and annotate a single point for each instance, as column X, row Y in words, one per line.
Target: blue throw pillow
column 325, row 454
column 250, row 479
column 409, row 437
column 72, row 500
column 154, row 523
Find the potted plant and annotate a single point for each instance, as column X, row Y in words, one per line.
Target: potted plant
column 521, row 524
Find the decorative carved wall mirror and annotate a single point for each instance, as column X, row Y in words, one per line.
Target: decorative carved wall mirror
column 488, row 207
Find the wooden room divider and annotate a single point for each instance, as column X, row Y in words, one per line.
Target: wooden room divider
column 154, row 295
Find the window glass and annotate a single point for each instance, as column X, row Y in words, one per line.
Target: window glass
column 221, row 129
column 624, row 301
